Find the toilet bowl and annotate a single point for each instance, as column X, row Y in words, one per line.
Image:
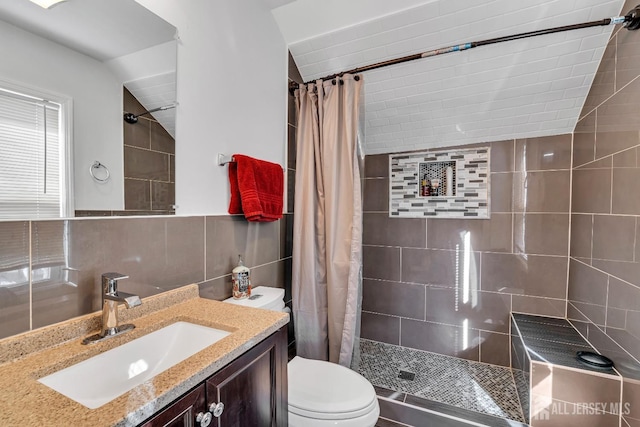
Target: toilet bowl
column 327, row 394
column 321, row 394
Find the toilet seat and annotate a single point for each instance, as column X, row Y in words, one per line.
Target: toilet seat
column 327, row 391
column 334, row 416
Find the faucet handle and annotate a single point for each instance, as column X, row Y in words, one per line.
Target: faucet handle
column 114, row 276
column 110, row 282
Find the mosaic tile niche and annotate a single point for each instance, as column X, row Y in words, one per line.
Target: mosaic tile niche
column 418, row 186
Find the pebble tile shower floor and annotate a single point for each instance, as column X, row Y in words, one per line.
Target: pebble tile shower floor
column 478, row 387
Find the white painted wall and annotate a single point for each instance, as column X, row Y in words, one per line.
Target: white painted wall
column 232, row 89
column 32, row 61
column 160, row 59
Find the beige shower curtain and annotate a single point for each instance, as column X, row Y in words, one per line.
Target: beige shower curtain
column 327, row 247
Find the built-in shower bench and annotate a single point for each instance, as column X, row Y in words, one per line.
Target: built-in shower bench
column 554, row 387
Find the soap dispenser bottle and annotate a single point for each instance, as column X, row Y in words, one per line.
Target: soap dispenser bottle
column 241, row 278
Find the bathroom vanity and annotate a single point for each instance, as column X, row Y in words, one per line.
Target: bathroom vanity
column 250, row 391
column 246, row 370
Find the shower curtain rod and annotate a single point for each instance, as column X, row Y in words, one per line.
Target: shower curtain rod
column 631, row 21
column 133, row 118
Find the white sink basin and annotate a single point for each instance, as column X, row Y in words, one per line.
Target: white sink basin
column 104, row 377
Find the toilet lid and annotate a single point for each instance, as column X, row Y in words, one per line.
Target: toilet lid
column 262, row 297
column 326, row 390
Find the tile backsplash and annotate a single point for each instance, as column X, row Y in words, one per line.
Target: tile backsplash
column 413, row 192
column 50, row 270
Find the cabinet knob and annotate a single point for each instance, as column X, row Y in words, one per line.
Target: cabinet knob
column 203, row 419
column 216, row 409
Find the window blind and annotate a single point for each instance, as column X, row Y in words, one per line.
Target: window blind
column 14, row 251
column 31, row 160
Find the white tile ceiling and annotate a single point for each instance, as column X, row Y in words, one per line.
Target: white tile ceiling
column 519, row 89
column 155, row 92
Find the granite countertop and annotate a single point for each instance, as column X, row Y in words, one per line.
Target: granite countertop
column 27, row 357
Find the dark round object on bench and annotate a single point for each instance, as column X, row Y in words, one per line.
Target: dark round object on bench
column 594, row 359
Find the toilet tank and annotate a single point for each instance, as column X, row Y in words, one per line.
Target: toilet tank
column 262, row 297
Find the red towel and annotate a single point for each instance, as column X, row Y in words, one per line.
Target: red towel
column 256, row 188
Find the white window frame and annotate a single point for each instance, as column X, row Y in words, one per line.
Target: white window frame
column 66, row 112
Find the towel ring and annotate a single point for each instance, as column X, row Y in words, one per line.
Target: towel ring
column 98, row 165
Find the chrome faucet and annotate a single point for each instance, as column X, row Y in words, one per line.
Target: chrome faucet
column 111, row 297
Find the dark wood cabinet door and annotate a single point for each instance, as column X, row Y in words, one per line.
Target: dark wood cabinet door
column 253, row 388
column 182, row 412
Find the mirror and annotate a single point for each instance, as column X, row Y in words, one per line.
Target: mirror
column 84, row 52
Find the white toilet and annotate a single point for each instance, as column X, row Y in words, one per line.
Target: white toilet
column 321, row 393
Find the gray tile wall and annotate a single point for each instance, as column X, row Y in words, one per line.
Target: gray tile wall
column 292, row 127
column 560, row 392
column 604, row 274
column 149, row 163
column 521, row 369
column 15, row 316
column 159, row 254
column 448, row 285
